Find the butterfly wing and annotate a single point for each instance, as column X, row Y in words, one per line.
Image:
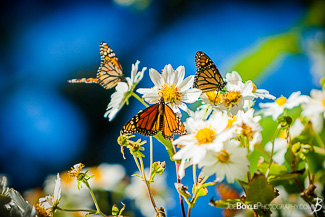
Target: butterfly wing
column 207, row 77
column 110, row 71
column 171, row 124
column 158, row 117
column 146, row 122
column 227, row 192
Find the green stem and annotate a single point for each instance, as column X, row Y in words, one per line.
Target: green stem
column 191, row 203
column 308, row 172
column 189, row 211
column 137, row 163
column 272, row 152
column 148, row 186
column 179, row 181
column 194, row 174
column 151, row 156
column 138, row 98
column 94, row 199
column 76, row 210
column 206, row 110
column 142, row 169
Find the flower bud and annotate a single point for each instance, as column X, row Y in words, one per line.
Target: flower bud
column 122, row 140
column 285, row 121
column 115, row 210
column 296, row 148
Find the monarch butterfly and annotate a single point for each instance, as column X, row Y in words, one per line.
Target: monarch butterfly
column 207, row 77
column 110, row 71
column 227, row 192
column 158, row 117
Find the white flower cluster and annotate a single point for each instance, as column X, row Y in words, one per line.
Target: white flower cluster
column 213, row 141
column 225, row 127
column 214, row 129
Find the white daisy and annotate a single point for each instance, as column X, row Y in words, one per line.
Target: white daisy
column 107, row 176
column 123, row 90
column 19, row 206
column 275, row 109
column 202, row 112
column 204, row 136
column 315, row 109
column 76, row 170
column 234, row 81
column 71, row 196
column 185, row 163
column 231, row 162
column 248, row 126
column 172, row 86
column 49, row 203
column 239, row 95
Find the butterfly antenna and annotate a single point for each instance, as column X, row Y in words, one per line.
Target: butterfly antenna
column 83, row 80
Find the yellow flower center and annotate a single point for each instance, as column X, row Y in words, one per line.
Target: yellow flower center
column 170, row 92
column 281, row 100
column 75, row 170
column 247, row 131
column 213, row 97
column 231, row 120
column 231, row 98
column 224, row 156
column 42, row 212
column 254, row 87
column 323, row 102
column 204, row 136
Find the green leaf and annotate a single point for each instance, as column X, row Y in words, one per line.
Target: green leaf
column 225, row 204
column 275, row 169
column 259, row 191
column 282, row 177
column 200, row 193
column 168, row 145
column 266, row 53
column 181, row 189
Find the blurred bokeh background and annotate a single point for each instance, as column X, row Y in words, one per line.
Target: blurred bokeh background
column 47, row 124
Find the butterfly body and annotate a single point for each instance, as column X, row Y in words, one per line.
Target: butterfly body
column 158, row 117
column 110, row 72
column 207, row 77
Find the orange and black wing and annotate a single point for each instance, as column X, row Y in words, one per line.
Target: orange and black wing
column 146, row 122
column 171, row 124
column 207, row 77
column 110, row 71
column 227, row 192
